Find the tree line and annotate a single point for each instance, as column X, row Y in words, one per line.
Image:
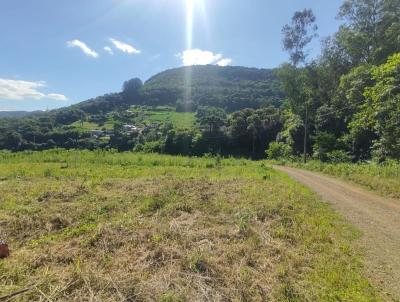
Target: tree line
column 344, row 105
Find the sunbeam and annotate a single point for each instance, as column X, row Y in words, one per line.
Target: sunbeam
column 189, row 44
column 193, row 7
column 189, row 23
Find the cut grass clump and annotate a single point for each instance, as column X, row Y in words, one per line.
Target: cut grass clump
column 116, row 227
column 150, row 205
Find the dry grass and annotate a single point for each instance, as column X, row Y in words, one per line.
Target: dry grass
column 206, row 235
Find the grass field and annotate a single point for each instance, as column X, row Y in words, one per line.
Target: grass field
column 103, row 226
column 381, row 178
column 164, row 114
column 87, row 126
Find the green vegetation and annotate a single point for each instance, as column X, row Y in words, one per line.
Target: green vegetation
column 87, row 126
column 230, row 88
column 164, row 115
column 346, row 101
column 381, row 178
column 342, row 106
column 130, row 226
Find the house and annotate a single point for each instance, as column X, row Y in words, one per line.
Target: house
column 96, row 133
column 131, row 129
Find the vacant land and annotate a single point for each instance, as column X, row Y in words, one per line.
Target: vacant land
column 381, row 178
column 102, row 226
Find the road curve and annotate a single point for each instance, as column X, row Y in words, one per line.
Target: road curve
column 377, row 217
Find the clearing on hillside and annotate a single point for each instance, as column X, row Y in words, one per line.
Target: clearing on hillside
column 103, row 226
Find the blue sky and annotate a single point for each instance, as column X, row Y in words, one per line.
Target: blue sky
column 56, row 53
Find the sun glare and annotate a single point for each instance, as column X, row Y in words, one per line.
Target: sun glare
column 189, row 23
column 192, row 7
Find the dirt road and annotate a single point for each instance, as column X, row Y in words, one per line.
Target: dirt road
column 378, row 218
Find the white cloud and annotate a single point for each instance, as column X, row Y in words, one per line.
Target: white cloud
column 124, row 47
column 20, row 90
column 224, row 62
column 82, row 46
column 202, row 57
column 57, row 97
column 109, row 50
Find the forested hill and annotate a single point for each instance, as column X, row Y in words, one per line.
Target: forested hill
column 191, row 99
column 15, row 113
column 231, row 88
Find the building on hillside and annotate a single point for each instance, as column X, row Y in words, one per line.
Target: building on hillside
column 96, row 133
column 131, row 129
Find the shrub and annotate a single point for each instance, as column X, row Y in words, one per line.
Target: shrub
column 338, row 156
column 325, row 143
column 278, row 150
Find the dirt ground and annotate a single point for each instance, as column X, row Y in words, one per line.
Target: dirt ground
column 378, row 219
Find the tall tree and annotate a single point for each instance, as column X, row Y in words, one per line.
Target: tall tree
column 381, row 111
column 371, row 30
column 211, row 117
column 299, row 34
column 296, row 37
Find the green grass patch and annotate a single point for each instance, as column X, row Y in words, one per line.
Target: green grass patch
column 164, row 114
column 381, row 178
column 131, row 226
column 88, row 126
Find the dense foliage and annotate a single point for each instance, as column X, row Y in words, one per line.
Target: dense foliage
column 345, row 103
column 231, row 88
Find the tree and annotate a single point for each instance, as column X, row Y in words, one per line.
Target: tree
column 252, row 130
column 292, row 132
column 131, row 90
column 324, row 144
column 347, row 102
column 381, row 111
column 211, row 117
column 12, row 141
column 297, row 36
column 278, row 150
column 370, row 32
column 132, row 85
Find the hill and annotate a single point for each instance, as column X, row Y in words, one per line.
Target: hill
column 231, row 88
column 161, row 116
column 15, row 113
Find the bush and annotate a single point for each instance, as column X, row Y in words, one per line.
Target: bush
column 325, row 143
column 278, row 150
column 338, row 156
column 150, row 147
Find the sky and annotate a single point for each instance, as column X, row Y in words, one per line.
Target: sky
column 57, row 53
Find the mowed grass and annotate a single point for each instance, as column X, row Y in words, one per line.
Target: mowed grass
column 103, row 226
column 381, row 178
